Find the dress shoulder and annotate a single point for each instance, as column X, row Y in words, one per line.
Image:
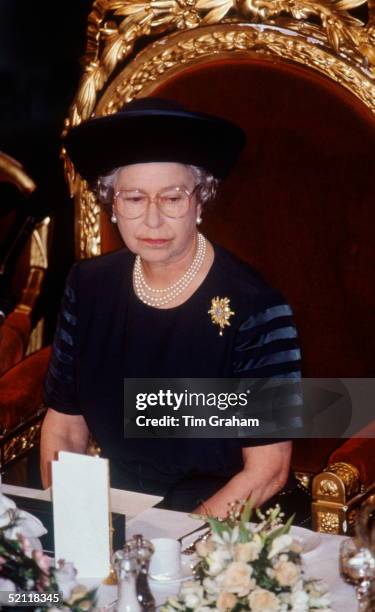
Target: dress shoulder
column 109, row 262
column 239, row 270
column 102, row 276
column 254, row 293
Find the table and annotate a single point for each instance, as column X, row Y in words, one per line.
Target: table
column 319, row 563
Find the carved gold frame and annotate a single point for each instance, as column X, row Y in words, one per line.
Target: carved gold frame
column 173, row 35
column 337, row 495
column 322, row 36
column 17, row 442
column 13, row 172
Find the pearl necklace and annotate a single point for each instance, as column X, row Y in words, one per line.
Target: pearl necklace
column 158, row 297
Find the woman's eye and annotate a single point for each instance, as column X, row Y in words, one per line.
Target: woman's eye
column 173, row 199
column 134, row 199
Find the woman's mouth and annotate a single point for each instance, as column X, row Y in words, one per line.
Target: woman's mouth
column 155, row 241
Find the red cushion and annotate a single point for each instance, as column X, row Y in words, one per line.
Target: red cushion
column 14, row 336
column 313, row 455
column 359, row 451
column 21, row 389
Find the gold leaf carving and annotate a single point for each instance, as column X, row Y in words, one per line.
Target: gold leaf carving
column 328, row 488
column 348, row 474
column 328, row 522
column 112, row 43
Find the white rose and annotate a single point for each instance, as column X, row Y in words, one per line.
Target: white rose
column 226, row 601
column 261, row 600
column 192, row 600
column 211, row 586
column 322, row 602
column 217, row 561
column 172, row 604
column 237, row 578
column 279, row 544
column 192, row 593
column 287, row 573
column 299, row 601
column 249, row 551
column 204, row 547
column 318, row 594
column 192, row 585
column 297, row 546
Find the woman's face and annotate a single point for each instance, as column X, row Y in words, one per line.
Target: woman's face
column 154, row 236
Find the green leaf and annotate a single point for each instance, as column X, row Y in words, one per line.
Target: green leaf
column 244, row 533
column 247, row 511
column 217, row 526
column 281, row 530
column 245, row 518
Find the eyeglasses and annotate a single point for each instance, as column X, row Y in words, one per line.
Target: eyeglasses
column 172, row 202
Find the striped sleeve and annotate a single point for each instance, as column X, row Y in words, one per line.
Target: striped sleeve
column 60, row 382
column 267, row 343
column 267, row 358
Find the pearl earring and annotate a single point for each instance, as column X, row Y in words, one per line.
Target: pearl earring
column 199, row 220
column 113, row 218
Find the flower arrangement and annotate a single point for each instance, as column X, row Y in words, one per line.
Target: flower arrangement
column 247, row 566
column 26, row 568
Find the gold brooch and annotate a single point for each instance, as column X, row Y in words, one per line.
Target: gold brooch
column 220, row 312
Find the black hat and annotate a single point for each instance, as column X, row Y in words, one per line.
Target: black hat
column 152, row 130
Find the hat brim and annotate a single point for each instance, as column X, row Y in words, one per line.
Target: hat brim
column 98, row 146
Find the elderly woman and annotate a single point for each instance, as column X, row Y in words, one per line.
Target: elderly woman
column 143, row 311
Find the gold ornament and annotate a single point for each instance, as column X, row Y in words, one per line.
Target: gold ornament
column 220, row 312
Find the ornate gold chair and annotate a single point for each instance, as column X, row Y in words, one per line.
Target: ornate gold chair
column 21, row 331
column 300, row 77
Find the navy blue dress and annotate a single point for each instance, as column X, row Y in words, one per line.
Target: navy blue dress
column 105, row 334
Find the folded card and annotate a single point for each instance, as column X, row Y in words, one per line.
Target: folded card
column 80, row 490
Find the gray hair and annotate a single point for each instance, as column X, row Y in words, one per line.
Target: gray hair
column 207, row 186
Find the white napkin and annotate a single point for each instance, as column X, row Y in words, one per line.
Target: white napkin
column 25, row 524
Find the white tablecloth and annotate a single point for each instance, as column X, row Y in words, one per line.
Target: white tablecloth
column 322, row 562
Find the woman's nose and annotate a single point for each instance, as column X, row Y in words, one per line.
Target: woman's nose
column 153, row 217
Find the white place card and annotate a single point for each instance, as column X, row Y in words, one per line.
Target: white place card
column 80, row 493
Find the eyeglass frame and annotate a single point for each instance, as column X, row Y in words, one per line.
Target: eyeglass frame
column 155, row 199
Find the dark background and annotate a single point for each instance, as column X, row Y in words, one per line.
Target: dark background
column 41, row 45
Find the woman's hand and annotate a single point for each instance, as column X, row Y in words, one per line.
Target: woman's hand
column 60, row 432
column 265, row 472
